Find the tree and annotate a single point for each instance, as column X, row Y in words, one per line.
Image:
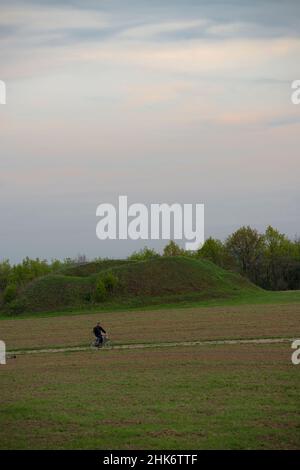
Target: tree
column 9, row 293
column 144, row 254
column 214, row 251
column 280, row 259
column 172, row 249
column 5, row 270
column 246, row 248
column 28, row 270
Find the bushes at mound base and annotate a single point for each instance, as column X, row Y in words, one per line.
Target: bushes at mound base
column 110, row 281
column 16, row 307
column 100, row 291
column 105, row 285
column 10, row 293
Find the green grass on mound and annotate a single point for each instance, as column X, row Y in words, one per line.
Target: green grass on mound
column 140, row 283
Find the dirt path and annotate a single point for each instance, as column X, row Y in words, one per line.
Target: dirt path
column 154, row 345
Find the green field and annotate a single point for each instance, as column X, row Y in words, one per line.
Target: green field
column 228, row 397
column 225, row 396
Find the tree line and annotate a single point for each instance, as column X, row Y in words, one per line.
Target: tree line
column 270, row 260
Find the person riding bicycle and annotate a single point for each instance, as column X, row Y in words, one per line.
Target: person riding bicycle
column 98, row 330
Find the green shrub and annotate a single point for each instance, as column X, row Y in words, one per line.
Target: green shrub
column 5, row 270
column 172, row 249
column 87, row 297
column 143, row 255
column 110, row 281
column 100, row 291
column 9, row 293
column 17, row 306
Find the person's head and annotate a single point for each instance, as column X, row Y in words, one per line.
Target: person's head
column 98, row 323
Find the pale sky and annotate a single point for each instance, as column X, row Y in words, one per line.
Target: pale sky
column 163, row 101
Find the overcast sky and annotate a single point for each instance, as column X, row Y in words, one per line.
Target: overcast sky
column 163, row 101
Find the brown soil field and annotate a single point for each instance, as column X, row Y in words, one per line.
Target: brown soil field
column 188, row 324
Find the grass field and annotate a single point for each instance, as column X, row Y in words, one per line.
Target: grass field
column 202, row 397
column 229, row 397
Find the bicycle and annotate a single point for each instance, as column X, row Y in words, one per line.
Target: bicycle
column 105, row 343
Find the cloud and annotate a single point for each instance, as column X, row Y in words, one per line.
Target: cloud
column 234, row 56
column 155, row 99
column 164, row 29
column 39, row 18
column 284, row 120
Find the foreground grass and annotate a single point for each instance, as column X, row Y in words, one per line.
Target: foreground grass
column 229, row 397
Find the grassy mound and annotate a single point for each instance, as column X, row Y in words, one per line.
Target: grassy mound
column 158, row 280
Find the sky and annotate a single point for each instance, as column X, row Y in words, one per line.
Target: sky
column 163, row 101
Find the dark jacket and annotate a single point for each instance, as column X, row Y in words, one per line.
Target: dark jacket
column 97, row 331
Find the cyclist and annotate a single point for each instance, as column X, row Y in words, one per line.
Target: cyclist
column 98, row 330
